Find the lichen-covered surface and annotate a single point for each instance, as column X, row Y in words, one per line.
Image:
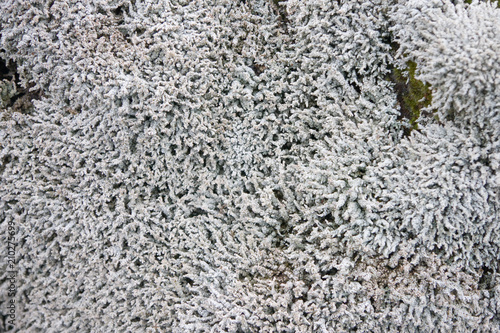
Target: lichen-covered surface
column 246, row 166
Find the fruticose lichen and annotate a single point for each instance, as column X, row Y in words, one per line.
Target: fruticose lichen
column 243, row 166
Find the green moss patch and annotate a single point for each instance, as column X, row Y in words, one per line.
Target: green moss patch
column 412, row 94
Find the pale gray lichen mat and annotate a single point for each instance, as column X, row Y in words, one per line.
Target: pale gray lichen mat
column 243, row 166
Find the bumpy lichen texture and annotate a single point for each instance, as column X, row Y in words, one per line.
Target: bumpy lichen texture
column 7, row 91
column 240, row 166
column 493, row 1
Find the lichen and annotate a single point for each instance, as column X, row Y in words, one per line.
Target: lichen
column 497, row 1
column 7, row 91
column 194, row 167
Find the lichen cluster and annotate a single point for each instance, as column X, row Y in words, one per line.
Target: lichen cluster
column 252, row 166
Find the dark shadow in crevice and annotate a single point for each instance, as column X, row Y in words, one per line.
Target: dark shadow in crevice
column 22, row 101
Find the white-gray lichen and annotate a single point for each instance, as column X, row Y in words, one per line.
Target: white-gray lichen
column 240, row 166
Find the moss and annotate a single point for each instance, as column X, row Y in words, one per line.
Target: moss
column 412, row 94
